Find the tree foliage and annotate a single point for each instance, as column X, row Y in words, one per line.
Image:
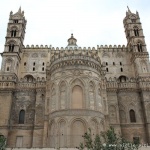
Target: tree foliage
column 108, row 140
column 2, row 142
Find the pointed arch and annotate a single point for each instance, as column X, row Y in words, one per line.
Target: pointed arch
column 132, row 116
column 77, row 94
column 22, row 116
column 139, row 47
column 122, row 113
column 9, row 64
column 136, row 30
column 112, row 114
column 78, row 128
column 62, row 127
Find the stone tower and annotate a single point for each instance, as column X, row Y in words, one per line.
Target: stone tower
column 14, row 42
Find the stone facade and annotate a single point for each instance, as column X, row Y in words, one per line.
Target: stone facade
column 49, row 97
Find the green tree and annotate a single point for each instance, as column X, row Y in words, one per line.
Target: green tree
column 108, row 140
column 2, row 142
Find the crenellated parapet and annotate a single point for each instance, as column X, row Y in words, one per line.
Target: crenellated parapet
column 37, row 46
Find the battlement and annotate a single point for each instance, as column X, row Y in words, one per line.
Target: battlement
column 99, row 47
column 37, row 46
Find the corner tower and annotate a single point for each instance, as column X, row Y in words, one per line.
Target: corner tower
column 14, row 42
column 136, row 43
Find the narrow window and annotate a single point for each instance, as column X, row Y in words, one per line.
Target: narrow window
column 113, row 63
column 43, row 64
column 120, row 63
column 106, row 63
column 139, row 46
column 15, row 21
column 34, row 64
column 107, row 69
column 15, row 33
column 21, row 116
column 25, row 63
column 132, row 116
column 136, row 31
column 12, row 32
column 121, row 69
column 42, row 68
column 33, row 68
column 7, row 68
column 12, row 48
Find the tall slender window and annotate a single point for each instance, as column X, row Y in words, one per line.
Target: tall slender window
column 132, row 116
column 21, row 116
column 11, row 47
column 139, row 46
column 107, row 69
column 121, row 69
column 136, row 31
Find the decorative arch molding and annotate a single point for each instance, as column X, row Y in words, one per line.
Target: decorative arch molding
column 112, row 114
column 77, row 90
column 62, row 95
column 14, row 28
column 106, row 55
column 119, row 55
column 34, row 55
column 77, row 81
column 62, row 132
column 8, row 65
column 78, row 128
column 29, row 78
column 92, row 96
column 122, row 113
column 52, row 133
column 94, row 127
column 11, row 42
column 53, row 98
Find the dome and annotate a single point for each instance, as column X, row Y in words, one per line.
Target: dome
column 72, row 42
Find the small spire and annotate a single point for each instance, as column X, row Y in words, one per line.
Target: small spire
column 19, row 10
column 129, row 9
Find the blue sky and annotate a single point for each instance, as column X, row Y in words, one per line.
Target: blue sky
column 93, row 22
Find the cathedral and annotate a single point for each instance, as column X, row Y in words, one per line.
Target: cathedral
column 49, row 97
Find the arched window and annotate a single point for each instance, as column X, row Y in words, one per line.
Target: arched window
column 77, row 97
column 132, row 116
column 139, row 46
column 11, row 47
column 121, row 69
column 136, row 31
column 21, row 116
column 13, row 33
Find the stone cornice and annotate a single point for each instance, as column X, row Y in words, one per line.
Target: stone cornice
column 75, row 112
